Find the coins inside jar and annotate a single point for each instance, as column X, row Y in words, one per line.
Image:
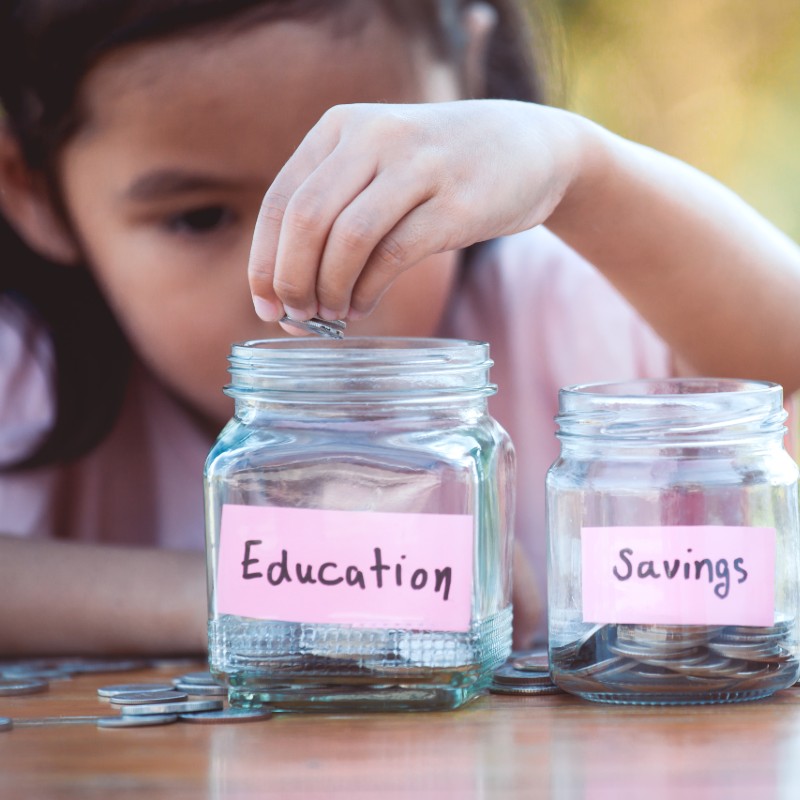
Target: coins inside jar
column 672, row 661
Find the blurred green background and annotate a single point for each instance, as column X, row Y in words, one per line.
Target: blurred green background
column 714, row 82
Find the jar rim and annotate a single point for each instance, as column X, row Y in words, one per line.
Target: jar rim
column 352, row 346
column 671, row 409
column 660, row 389
column 363, row 369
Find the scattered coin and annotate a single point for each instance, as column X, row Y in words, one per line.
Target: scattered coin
column 27, row 686
column 42, row 722
column 178, row 707
column 6, row 723
column 202, row 678
column 125, row 721
column 141, row 698
column 509, row 675
column 228, row 715
column 497, row 688
column 24, row 672
column 119, row 688
column 537, row 662
column 114, row 665
column 201, row 689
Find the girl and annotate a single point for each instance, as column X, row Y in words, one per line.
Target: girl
column 139, row 140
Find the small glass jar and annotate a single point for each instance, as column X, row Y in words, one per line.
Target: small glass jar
column 359, row 509
column 674, row 551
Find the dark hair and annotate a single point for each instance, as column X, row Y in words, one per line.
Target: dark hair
column 47, row 47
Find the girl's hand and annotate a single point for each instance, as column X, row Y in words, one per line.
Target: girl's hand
column 373, row 189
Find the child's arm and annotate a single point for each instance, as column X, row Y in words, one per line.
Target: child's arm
column 85, row 599
column 718, row 282
column 374, row 189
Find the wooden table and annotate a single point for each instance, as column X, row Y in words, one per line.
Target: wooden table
column 498, row 747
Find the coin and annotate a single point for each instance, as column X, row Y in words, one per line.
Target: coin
column 227, row 715
column 92, row 666
column 331, row 329
column 6, row 723
column 140, row 698
column 28, row 673
column 125, row 721
column 509, row 676
column 202, row 689
column 16, row 687
column 43, row 722
column 202, row 678
column 497, row 688
column 119, row 688
column 748, row 651
column 538, row 662
column 675, row 660
column 178, row 707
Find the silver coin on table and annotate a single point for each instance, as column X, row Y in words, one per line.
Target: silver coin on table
column 144, row 721
column 119, row 688
column 181, row 707
column 201, row 689
column 26, row 673
column 228, row 715
column 202, row 678
column 9, row 688
column 497, row 688
column 538, row 663
column 508, row 675
column 92, row 666
column 140, row 698
column 6, row 723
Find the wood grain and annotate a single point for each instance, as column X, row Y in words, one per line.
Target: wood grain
column 498, row 747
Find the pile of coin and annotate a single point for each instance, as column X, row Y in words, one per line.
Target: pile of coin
column 524, row 674
column 675, row 661
column 161, row 704
column 194, row 697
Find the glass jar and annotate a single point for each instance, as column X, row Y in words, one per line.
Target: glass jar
column 359, row 509
column 673, row 543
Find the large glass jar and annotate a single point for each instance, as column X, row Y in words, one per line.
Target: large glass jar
column 673, row 543
column 359, row 511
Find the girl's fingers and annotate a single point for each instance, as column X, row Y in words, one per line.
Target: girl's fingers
column 306, row 222
column 359, row 229
column 261, row 265
column 370, row 192
column 417, row 235
column 313, row 150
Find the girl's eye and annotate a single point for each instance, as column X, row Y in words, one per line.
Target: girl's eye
column 200, row 220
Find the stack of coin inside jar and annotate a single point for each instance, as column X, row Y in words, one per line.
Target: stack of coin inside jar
column 611, row 661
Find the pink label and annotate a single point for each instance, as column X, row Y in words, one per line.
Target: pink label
column 679, row 575
column 372, row 569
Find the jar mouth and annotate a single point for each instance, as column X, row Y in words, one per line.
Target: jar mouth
column 361, row 367
column 359, row 348
column 662, row 388
column 671, row 409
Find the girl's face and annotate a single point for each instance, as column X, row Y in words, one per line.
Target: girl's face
column 164, row 180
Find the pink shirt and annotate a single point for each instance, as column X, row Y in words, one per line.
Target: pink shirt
column 551, row 320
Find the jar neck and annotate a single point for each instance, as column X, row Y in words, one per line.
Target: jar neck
column 364, row 376
column 675, row 414
column 450, row 411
